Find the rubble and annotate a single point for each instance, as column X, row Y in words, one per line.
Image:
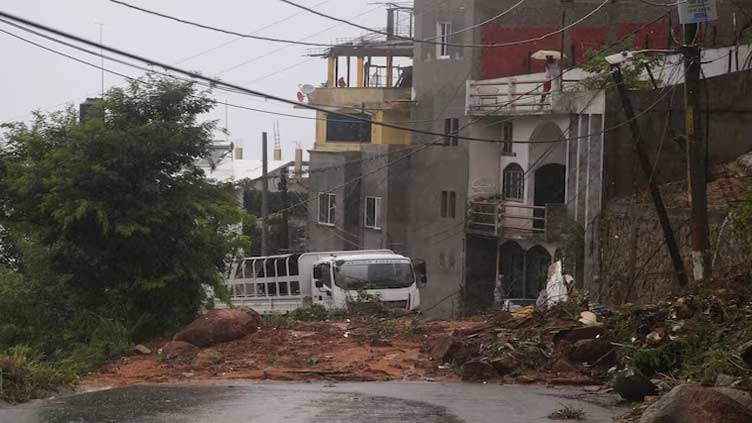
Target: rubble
column 640, row 351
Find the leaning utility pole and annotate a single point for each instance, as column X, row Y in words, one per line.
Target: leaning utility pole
column 647, row 167
column 696, row 153
column 264, row 195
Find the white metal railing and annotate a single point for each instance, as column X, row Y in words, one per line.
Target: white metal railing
column 515, row 95
column 498, row 216
column 266, row 277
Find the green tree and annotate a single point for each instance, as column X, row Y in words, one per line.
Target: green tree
column 130, row 227
column 632, row 70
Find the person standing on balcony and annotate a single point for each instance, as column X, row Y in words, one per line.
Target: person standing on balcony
column 552, row 77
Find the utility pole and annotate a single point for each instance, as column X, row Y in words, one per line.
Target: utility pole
column 101, row 54
column 285, row 227
column 696, row 153
column 264, row 196
column 647, row 168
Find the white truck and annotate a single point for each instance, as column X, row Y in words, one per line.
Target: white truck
column 279, row 284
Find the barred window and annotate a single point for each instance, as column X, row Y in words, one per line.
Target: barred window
column 507, row 132
column 514, row 183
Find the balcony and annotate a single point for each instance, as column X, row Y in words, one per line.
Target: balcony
column 522, row 95
column 371, row 97
column 503, row 219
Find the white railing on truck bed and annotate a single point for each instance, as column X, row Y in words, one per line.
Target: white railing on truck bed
column 266, row 284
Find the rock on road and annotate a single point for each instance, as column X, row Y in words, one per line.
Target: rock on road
column 311, row 403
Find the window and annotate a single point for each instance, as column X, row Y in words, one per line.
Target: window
column 340, row 128
column 448, row 204
column 452, row 131
column 514, row 183
column 327, row 208
column 507, row 134
column 373, row 212
column 443, row 29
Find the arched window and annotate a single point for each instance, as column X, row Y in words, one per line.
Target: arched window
column 514, row 183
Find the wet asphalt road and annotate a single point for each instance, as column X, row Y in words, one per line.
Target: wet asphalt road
column 311, row 403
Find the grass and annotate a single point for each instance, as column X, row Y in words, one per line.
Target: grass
column 23, row 377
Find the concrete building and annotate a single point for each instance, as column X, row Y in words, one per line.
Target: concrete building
column 488, row 217
column 357, row 169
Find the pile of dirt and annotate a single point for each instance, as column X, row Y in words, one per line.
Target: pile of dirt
column 362, row 349
column 519, row 348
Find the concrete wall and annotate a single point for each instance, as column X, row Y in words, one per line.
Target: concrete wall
column 634, row 263
column 730, row 132
column 327, row 173
column 376, row 171
column 436, row 239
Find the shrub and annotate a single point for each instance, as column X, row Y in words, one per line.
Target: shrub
column 23, row 377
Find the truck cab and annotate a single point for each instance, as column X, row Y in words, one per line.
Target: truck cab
column 392, row 278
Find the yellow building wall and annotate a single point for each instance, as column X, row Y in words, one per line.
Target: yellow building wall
column 379, row 134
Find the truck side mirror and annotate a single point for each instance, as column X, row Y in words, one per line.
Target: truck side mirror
column 420, row 272
column 319, row 284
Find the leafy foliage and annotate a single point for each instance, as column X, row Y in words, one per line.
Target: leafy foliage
column 22, row 376
column 111, row 233
column 632, row 70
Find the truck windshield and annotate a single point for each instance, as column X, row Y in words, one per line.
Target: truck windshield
column 374, row 274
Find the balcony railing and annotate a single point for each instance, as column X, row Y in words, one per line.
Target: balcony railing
column 513, row 95
column 499, row 218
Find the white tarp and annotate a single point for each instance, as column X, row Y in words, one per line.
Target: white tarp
column 556, row 288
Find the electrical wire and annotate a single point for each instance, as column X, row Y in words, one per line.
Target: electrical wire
column 495, row 45
column 224, row 31
column 234, row 40
column 484, row 23
column 372, row 30
column 215, row 83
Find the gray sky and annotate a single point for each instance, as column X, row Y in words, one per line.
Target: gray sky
column 36, row 79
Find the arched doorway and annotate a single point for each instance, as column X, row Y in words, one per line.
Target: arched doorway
column 537, row 261
column 512, row 269
column 550, row 185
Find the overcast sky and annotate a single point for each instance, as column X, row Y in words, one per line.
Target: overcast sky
column 34, row 79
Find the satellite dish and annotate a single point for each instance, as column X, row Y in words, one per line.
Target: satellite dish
column 307, row 89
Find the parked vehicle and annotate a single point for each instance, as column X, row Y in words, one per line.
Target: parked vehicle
column 278, row 284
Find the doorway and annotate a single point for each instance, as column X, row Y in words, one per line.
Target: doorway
column 550, row 185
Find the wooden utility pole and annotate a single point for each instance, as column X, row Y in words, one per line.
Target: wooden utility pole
column 647, row 168
column 264, row 195
column 696, row 154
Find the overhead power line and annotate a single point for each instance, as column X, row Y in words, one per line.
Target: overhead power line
column 428, row 41
column 484, row 23
column 234, row 88
column 225, row 85
column 373, row 30
column 222, row 30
